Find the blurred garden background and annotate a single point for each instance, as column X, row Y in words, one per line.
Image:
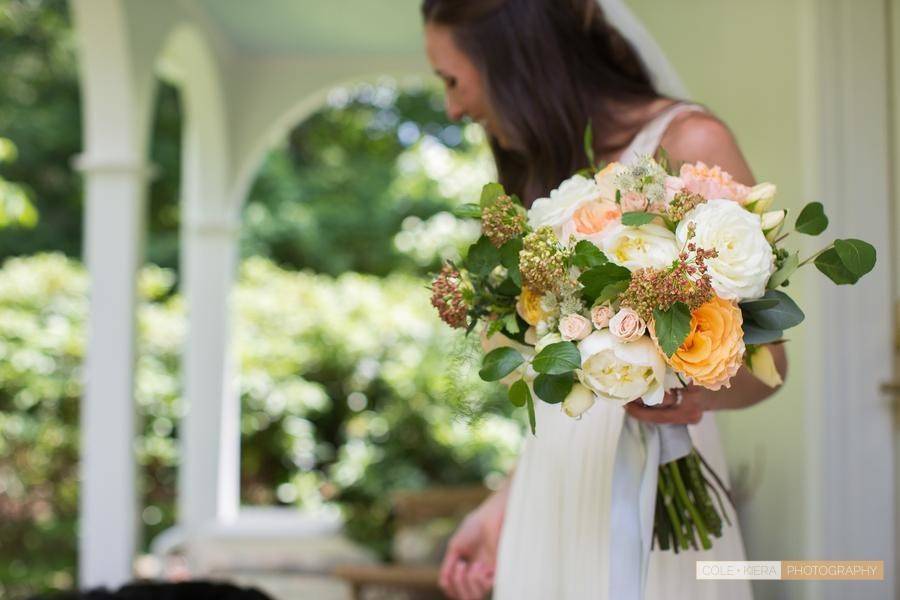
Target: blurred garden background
column 348, row 391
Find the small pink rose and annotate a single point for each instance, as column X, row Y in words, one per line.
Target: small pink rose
column 633, row 201
column 574, row 327
column 600, row 316
column 627, row 325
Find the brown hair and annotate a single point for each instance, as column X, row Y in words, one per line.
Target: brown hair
column 550, row 67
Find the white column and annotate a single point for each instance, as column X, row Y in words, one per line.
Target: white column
column 210, row 433
column 114, row 226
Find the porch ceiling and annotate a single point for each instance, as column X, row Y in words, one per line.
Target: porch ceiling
column 285, row 27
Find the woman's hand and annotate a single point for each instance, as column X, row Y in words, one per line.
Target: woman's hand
column 467, row 572
column 683, row 406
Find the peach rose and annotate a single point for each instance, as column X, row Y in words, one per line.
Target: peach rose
column 600, row 316
column 627, row 325
column 673, row 186
column 574, row 327
column 714, row 349
column 590, row 220
column 712, row 183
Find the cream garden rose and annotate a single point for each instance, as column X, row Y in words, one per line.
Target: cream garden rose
column 562, row 203
column 621, row 372
column 647, row 246
column 627, row 325
column 745, row 259
column 575, row 327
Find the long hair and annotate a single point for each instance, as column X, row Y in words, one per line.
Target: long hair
column 549, row 67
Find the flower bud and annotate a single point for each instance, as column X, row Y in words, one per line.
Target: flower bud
column 578, row 401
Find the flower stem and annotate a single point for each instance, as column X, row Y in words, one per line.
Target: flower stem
column 816, row 255
column 695, row 516
column 665, row 486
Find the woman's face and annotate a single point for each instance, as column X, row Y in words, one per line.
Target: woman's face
column 464, row 92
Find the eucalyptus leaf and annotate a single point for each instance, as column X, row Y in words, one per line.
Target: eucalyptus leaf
column 672, row 326
column 499, row 363
column 759, row 304
column 637, row 218
column 557, row 358
column 753, row 334
column 831, row 265
column 812, row 219
column 519, row 393
column 553, row 389
column 858, row 256
column 784, row 315
column 785, row 271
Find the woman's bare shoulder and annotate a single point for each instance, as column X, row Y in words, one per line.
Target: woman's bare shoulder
column 699, row 136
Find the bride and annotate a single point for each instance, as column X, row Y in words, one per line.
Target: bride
column 534, row 73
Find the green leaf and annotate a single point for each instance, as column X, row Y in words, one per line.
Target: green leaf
column 597, row 278
column 529, row 402
column 588, row 255
column 519, row 393
column 519, row 335
column 759, row 304
column 830, row 263
column 856, row 255
column 499, row 363
column 637, row 218
column 511, row 323
column 785, row 271
column 557, row 358
column 509, row 258
column 482, row 257
column 812, row 219
column 612, row 291
column 672, row 326
column 490, row 193
column 468, row 211
column 553, row 389
column 753, row 334
column 589, row 143
column 784, row 315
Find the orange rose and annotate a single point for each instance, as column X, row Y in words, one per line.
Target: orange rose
column 529, row 307
column 714, row 349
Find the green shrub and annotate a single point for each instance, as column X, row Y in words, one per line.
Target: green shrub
column 345, row 395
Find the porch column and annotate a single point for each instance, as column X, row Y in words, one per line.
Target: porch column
column 210, row 438
column 114, row 224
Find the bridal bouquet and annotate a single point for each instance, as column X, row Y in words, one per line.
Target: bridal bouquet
column 629, row 281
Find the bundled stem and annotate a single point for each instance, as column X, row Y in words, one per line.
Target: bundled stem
column 685, row 512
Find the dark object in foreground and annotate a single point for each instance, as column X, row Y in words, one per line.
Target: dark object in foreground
column 188, row 590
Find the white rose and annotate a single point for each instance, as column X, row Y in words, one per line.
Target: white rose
column 600, row 316
column 649, row 245
column 562, row 203
column 574, row 327
column 620, row 372
column 627, row 325
column 745, row 259
column 578, row 401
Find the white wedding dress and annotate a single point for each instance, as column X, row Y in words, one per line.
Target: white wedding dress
column 575, row 526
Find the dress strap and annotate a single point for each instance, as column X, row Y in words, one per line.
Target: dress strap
column 647, row 140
